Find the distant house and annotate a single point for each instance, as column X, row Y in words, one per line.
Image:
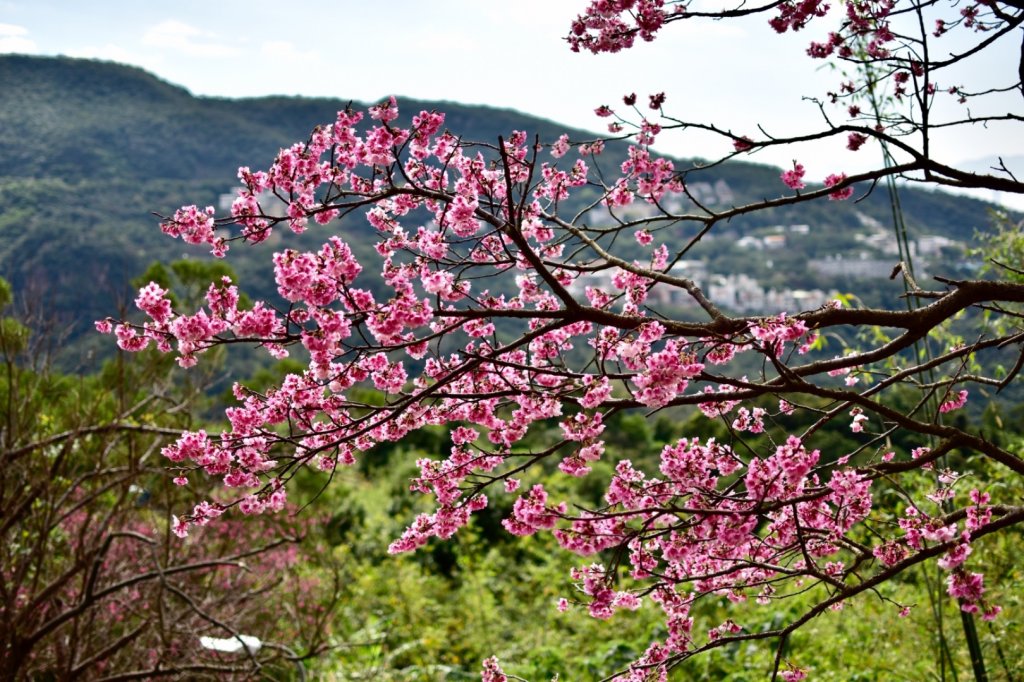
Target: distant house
column 738, row 292
column 872, row 268
column 932, row 244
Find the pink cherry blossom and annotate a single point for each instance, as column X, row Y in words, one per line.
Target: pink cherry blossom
column 794, row 178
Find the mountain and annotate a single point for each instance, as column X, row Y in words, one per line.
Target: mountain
column 82, row 119
column 89, row 149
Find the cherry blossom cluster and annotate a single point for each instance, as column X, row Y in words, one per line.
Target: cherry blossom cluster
column 481, row 322
column 613, row 25
column 882, row 52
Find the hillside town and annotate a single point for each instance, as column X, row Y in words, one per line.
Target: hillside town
column 876, row 259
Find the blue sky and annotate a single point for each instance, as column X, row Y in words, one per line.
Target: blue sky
column 507, row 54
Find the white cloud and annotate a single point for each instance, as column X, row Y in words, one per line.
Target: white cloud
column 187, row 39
column 282, row 50
column 15, row 38
column 12, row 30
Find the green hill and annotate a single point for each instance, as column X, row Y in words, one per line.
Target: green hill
column 89, row 149
column 89, row 120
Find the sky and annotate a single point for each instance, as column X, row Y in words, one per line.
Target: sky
column 738, row 74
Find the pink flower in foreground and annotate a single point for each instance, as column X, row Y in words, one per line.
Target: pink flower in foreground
column 891, row 553
column 385, row 111
column 179, row 526
column 561, row 147
column 855, row 141
column 794, row 675
column 954, row 403
column 492, row 672
column 966, row 586
column 839, row 194
column 794, row 178
column 742, row 144
column 954, row 557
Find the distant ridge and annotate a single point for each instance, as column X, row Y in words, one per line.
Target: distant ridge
column 89, row 149
column 86, row 119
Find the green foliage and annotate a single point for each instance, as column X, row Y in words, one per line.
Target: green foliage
column 13, row 336
column 1002, row 247
column 1001, row 250
column 85, row 515
column 6, row 293
column 187, row 280
column 435, row 614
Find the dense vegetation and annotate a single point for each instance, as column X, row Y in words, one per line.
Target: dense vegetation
column 131, row 144
column 336, row 604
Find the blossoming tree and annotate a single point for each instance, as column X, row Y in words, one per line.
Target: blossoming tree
column 515, row 290
column 89, row 586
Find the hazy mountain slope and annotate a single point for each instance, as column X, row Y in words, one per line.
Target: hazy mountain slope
column 82, row 119
column 89, row 149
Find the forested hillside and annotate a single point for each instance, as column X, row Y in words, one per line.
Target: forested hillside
column 92, row 149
